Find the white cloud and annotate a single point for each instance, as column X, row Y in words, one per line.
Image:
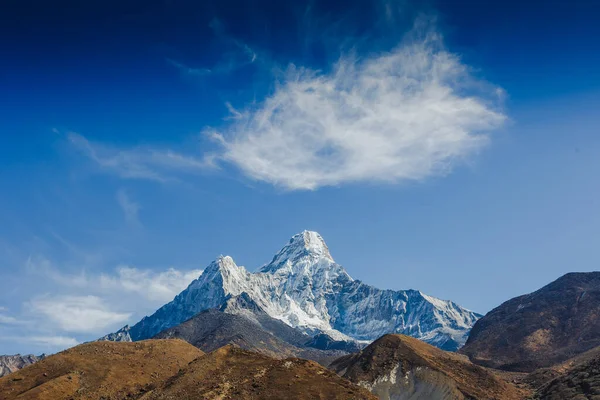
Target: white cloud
column 130, row 208
column 140, row 162
column 54, row 342
column 159, row 287
column 155, row 287
column 404, row 115
column 79, row 314
column 43, row 266
column 8, row 320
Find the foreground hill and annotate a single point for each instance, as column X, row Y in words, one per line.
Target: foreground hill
column 399, row 367
column 173, row 369
column 231, row 373
column 305, row 288
column 540, row 329
column 100, row 370
column 9, row 364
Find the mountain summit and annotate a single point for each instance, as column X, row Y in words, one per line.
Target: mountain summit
column 305, row 288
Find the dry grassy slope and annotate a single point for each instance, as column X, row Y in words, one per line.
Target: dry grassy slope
column 100, row 370
column 423, row 372
column 233, row 373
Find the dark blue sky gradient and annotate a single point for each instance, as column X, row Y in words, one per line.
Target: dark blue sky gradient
column 523, row 213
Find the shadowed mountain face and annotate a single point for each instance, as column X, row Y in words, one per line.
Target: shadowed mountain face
column 233, row 373
column 9, row 364
column 305, row 288
column 398, row 367
column 212, row 329
column 172, row 369
column 540, row 329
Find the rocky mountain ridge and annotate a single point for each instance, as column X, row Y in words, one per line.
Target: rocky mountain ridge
column 305, row 288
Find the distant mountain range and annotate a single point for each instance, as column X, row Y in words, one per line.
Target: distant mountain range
column 306, row 289
column 9, row 364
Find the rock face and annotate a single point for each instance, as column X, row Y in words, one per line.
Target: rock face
column 305, row 288
column 100, row 370
column 233, row 373
column 398, row 367
column 10, row 364
column 540, row 329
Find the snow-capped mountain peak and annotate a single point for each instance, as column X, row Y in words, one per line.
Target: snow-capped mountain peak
column 305, row 288
column 306, row 255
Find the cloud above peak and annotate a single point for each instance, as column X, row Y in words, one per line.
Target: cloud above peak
column 407, row 114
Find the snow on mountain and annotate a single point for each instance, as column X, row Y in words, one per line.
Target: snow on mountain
column 305, row 288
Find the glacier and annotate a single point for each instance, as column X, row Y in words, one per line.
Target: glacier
column 305, row 288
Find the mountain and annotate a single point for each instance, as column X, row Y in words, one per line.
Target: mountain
column 399, row 367
column 122, row 335
column 212, row 329
column 305, row 288
column 172, row 369
column 542, row 328
column 9, row 364
column 233, row 373
column 100, row 370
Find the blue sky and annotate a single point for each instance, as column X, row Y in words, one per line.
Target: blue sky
column 446, row 146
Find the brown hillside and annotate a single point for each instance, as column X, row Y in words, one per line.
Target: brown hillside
column 540, row 329
column 100, row 370
column 401, row 367
column 233, row 373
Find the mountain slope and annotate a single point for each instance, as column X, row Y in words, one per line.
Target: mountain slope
column 399, row 367
column 213, row 329
column 100, row 370
column 172, row 369
column 233, row 373
column 581, row 381
column 10, row 364
column 305, row 288
column 540, row 329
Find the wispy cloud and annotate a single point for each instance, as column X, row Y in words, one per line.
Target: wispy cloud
column 141, row 162
column 157, row 287
column 51, row 342
column 236, row 55
column 414, row 112
column 186, row 70
column 404, row 115
column 130, row 208
column 77, row 314
column 8, row 320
